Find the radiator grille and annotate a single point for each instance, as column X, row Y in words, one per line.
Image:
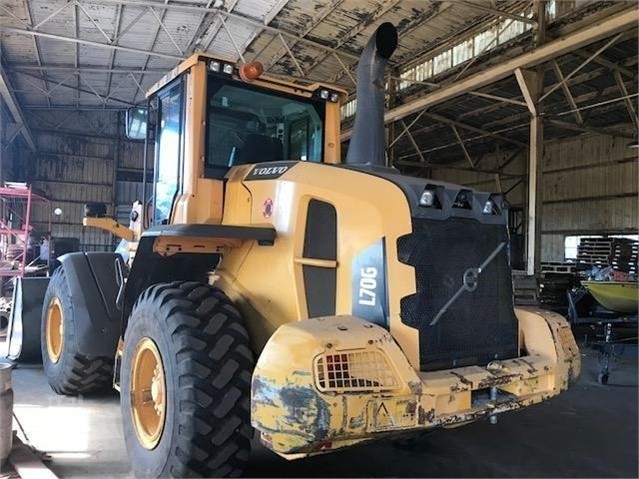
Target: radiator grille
column 354, row 371
column 480, row 325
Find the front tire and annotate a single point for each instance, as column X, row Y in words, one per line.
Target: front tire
column 185, row 383
column 68, row 371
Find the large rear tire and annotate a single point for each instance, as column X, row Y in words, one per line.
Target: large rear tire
column 68, row 371
column 185, row 383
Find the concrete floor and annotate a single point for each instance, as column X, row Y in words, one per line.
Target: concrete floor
column 590, row 431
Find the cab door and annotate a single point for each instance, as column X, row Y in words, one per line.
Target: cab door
column 169, row 152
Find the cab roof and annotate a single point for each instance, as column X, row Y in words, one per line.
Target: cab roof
column 205, row 57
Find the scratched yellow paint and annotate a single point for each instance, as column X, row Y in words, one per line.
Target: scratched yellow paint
column 549, row 362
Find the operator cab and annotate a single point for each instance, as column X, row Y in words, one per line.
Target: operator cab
column 208, row 115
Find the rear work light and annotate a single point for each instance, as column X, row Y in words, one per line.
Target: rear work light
column 328, row 95
column 432, row 196
column 217, row 66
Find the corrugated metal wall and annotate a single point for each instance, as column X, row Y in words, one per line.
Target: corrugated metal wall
column 75, row 167
column 71, row 171
column 8, row 145
column 589, row 186
column 589, row 182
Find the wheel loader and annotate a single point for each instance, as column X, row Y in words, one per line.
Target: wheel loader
column 274, row 291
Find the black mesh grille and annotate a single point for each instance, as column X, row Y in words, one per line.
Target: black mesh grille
column 480, row 325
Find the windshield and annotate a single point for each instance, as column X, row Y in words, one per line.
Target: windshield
column 249, row 125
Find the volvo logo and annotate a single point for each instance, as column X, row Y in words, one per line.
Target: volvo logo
column 269, row 172
column 470, row 279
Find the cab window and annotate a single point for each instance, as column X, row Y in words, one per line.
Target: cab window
column 247, row 124
column 168, row 152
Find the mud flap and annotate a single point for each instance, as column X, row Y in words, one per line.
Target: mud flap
column 23, row 334
column 93, row 284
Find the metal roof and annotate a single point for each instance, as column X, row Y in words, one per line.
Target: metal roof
column 104, row 54
column 595, row 88
column 112, row 42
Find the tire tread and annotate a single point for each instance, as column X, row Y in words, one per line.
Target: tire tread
column 211, row 342
column 79, row 374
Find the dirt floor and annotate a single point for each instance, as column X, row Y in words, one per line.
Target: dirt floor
column 590, row 431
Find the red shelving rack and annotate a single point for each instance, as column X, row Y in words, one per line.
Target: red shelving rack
column 16, row 208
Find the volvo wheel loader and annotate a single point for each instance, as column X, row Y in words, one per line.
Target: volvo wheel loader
column 273, row 290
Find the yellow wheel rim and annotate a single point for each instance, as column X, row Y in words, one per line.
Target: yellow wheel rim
column 55, row 330
column 148, row 393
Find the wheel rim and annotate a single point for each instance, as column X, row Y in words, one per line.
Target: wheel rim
column 55, row 330
column 148, row 393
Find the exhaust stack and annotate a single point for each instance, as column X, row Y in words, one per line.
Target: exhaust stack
column 368, row 142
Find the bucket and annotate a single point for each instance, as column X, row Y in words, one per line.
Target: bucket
column 6, row 411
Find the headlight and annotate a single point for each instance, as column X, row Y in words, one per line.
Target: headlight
column 427, row 198
column 214, row 66
column 324, row 94
column 488, row 208
column 228, row 69
column 335, row 97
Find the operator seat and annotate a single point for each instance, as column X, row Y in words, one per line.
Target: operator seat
column 259, row 149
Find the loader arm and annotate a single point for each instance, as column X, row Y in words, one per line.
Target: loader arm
column 110, row 225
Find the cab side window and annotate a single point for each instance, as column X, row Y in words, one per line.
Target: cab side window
column 168, row 153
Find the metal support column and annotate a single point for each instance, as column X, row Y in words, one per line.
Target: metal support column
column 531, row 85
column 390, row 140
column 533, row 253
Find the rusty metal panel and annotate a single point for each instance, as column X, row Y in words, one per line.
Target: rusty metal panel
column 73, row 169
column 62, row 191
column 553, row 248
column 128, row 192
column 609, row 180
column 588, row 149
column 574, row 168
column 132, row 155
column 596, row 215
column 101, row 125
column 70, row 171
column 590, row 184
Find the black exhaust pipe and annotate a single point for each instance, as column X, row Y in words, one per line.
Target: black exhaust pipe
column 368, row 144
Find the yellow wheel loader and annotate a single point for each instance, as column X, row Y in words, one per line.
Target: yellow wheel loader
column 271, row 289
